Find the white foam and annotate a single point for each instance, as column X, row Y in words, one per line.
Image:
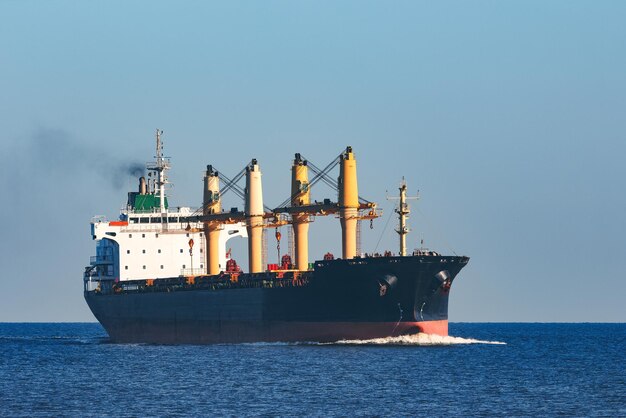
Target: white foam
column 420, row 339
column 417, row 340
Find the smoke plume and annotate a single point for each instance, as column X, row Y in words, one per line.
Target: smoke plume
column 59, row 152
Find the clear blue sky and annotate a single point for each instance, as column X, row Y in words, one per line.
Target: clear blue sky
column 509, row 117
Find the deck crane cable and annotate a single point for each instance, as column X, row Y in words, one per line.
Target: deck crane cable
column 323, row 175
column 316, row 170
column 231, row 184
column 382, row 233
column 328, row 180
column 314, row 180
column 319, row 175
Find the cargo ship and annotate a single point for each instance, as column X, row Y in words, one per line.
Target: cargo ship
column 164, row 275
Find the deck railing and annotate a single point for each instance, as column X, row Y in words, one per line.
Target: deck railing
column 193, row 272
column 101, row 259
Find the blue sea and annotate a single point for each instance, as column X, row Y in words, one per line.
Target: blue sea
column 481, row 370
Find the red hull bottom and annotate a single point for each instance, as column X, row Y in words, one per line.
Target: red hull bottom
column 275, row 331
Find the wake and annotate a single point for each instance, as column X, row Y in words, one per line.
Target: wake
column 417, row 340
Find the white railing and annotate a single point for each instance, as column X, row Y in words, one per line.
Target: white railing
column 193, row 272
column 161, row 227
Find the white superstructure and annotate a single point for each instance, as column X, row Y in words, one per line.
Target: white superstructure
column 150, row 240
column 143, row 247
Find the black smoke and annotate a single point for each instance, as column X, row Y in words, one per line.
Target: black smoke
column 124, row 170
column 61, row 153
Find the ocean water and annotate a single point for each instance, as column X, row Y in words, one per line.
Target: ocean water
column 483, row 370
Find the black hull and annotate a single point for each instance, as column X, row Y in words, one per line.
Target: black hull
column 341, row 299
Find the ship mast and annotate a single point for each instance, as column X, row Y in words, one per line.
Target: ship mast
column 403, row 211
column 161, row 165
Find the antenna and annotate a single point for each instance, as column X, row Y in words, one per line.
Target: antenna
column 403, row 211
column 160, row 165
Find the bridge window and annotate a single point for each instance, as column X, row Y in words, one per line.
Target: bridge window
column 143, row 251
column 130, row 235
column 181, row 250
column 143, row 235
column 159, row 251
column 161, row 266
column 127, row 251
column 144, row 267
column 125, row 267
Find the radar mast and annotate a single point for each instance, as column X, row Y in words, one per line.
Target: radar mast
column 160, row 166
column 403, row 211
